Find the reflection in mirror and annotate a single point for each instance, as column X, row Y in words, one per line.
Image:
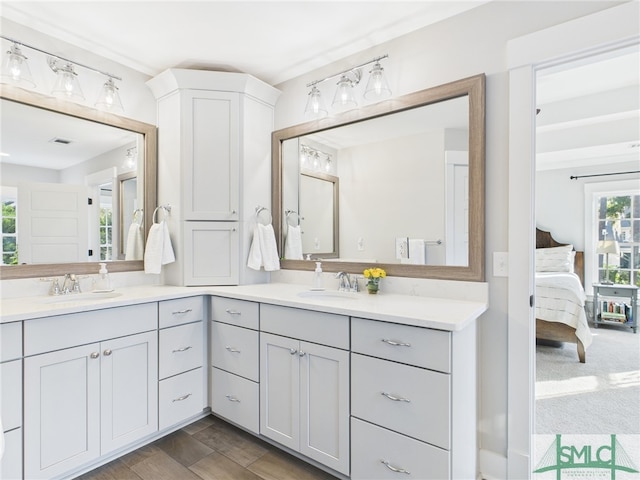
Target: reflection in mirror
column 411, row 175
column 62, row 167
column 319, row 217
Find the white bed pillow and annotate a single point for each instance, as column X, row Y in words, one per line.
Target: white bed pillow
column 555, row 259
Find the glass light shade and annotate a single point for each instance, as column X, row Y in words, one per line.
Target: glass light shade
column 377, row 87
column 16, row 69
column 67, row 85
column 109, row 98
column 344, row 97
column 315, row 106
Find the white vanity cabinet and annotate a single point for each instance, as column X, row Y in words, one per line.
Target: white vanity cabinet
column 11, row 399
column 86, row 401
column 181, row 356
column 214, row 141
column 235, row 361
column 304, row 383
column 413, row 402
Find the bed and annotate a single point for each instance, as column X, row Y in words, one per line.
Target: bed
column 560, row 297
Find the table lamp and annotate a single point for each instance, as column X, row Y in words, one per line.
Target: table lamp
column 608, row 246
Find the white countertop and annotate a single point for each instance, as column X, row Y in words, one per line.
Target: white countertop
column 439, row 313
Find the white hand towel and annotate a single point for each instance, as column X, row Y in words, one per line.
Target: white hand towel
column 268, row 248
column 417, row 251
column 255, row 257
column 135, row 247
column 293, row 243
column 153, row 250
column 167, row 248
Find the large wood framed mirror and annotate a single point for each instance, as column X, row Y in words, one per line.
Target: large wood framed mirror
column 97, row 174
column 411, row 193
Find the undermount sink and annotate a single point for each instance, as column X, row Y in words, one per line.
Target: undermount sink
column 79, row 297
column 328, row 294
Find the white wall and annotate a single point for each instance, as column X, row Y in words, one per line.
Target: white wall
column 468, row 44
column 11, row 174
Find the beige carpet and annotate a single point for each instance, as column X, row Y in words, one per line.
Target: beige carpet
column 599, row 396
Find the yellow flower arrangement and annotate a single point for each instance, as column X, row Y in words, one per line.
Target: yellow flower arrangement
column 374, row 273
column 373, row 276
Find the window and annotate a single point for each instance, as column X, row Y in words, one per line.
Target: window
column 9, row 227
column 618, row 226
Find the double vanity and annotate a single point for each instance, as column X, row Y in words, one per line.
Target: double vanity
column 363, row 386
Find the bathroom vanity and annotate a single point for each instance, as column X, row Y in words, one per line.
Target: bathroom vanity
column 363, row 386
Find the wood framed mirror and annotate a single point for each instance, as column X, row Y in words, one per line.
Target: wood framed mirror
column 147, row 172
column 394, row 158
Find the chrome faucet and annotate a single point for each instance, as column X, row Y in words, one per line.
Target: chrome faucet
column 345, row 282
column 70, row 284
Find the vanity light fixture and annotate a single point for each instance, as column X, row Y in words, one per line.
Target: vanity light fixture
column 344, row 98
column 16, row 71
column 314, row 160
column 131, row 159
column 16, row 68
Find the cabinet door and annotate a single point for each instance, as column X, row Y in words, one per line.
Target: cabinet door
column 211, row 158
column 129, row 389
column 211, row 253
column 280, row 389
column 62, row 401
column 324, row 405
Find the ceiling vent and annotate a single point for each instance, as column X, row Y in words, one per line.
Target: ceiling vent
column 61, row 141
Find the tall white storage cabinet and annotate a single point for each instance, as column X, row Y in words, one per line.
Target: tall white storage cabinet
column 214, row 169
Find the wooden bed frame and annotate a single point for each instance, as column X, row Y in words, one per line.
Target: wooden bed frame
column 555, row 331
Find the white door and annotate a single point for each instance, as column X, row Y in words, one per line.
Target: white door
column 129, row 389
column 457, row 207
column 279, row 389
column 324, row 405
column 52, row 223
column 62, row 401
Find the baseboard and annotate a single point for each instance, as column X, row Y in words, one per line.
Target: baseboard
column 493, row 466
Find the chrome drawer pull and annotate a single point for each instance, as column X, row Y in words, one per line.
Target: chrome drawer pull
column 179, row 399
column 95, row 355
column 182, row 312
column 183, row 349
column 232, row 398
column 301, row 353
column 233, row 312
column 394, row 469
column 231, row 349
column 107, row 352
column 293, row 351
column 394, row 398
column 395, row 344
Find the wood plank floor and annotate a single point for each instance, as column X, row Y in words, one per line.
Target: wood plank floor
column 209, row 449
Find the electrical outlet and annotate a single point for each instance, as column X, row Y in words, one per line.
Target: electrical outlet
column 316, row 243
column 361, row 244
column 500, row 264
column 402, row 248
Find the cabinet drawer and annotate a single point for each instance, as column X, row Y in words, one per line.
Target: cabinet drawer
column 372, row 445
column 421, row 406
column 237, row 312
column 180, row 397
column 180, row 349
column 417, row 346
column 11, row 462
column 236, row 399
column 10, row 341
column 64, row 331
column 11, row 394
column 317, row 327
column 180, row 311
column 235, row 350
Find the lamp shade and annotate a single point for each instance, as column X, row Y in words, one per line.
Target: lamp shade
column 109, row 98
column 15, row 69
column 377, row 87
column 315, row 106
column 344, row 97
column 608, row 246
column 67, row 85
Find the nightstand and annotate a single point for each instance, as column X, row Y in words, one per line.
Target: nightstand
column 609, row 310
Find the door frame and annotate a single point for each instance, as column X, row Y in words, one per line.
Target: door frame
column 606, row 30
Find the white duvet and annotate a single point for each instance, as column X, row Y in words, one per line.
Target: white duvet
column 561, row 298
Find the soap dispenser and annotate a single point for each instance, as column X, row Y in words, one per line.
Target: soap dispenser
column 103, row 282
column 317, row 277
